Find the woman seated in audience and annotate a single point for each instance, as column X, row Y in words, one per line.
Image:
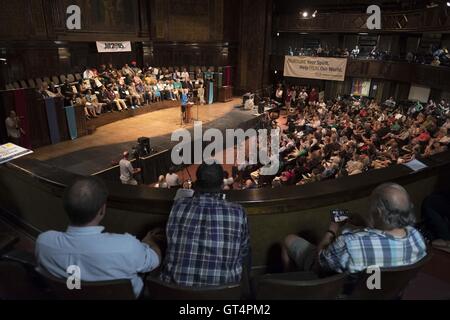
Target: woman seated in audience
column 170, row 90
column 162, row 89
column 156, row 92
column 115, row 97
column 136, row 99
column 162, row 184
column 89, row 109
column 227, row 181
column 140, row 89
column 177, row 88
column 91, row 99
column 148, row 92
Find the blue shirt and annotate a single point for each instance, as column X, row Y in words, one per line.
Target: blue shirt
column 353, row 252
column 100, row 256
column 184, row 99
column 208, row 241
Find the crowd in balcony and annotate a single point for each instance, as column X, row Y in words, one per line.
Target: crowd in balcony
column 434, row 56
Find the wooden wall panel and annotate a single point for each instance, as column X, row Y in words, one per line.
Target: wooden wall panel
column 254, row 53
column 163, row 32
column 100, row 20
column 188, row 20
column 17, row 22
column 435, row 20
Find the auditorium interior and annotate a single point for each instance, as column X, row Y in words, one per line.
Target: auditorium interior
column 355, row 95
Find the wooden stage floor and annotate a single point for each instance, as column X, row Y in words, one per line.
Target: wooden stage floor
column 91, row 154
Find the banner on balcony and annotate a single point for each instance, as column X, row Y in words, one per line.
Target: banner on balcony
column 113, row 46
column 315, row 68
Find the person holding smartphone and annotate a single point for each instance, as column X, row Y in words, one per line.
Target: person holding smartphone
column 388, row 228
column 13, row 128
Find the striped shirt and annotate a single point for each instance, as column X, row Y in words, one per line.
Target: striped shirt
column 207, row 242
column 353, row 252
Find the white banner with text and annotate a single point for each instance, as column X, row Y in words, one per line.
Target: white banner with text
column 113, row 46
column 315, row 68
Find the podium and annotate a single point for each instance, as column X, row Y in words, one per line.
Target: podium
column 225, row 94
column 188, row 114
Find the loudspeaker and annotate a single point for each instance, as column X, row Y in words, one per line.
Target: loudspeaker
column 144, row 144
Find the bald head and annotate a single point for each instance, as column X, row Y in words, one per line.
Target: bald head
column 390, row 207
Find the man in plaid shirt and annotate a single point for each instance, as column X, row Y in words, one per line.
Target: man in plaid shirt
column 389, row 240
column 207, row 237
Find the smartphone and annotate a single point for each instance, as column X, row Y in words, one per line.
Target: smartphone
column 339, row 215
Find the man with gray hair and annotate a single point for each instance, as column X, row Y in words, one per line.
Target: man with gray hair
column 387, row 240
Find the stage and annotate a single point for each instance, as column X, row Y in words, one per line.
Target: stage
column 101, row 150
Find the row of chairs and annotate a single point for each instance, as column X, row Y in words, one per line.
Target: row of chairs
column 57, row 80
column 19, row 280
column 37, row 82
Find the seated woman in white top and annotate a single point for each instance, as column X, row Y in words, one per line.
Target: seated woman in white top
column 162, row 183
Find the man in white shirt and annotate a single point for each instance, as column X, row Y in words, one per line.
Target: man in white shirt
column 99, row 256
column 127, row 171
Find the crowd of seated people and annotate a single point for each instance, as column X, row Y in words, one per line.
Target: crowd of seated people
column 109, row 89
column 207, row 240
column 356, row 52
column 325, row 140
column 434, row 56
column 320, row 52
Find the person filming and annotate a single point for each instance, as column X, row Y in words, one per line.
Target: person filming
column 13, row 128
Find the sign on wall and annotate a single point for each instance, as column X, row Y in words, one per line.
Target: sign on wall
column 315, row 68
column 419, row 93
column 113, row 46
column 361, row 87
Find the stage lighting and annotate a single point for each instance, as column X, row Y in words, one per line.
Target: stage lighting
column 305, row 14
column 314, row 14
column 276, row 71
column 448, row 3
column 278, row 34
